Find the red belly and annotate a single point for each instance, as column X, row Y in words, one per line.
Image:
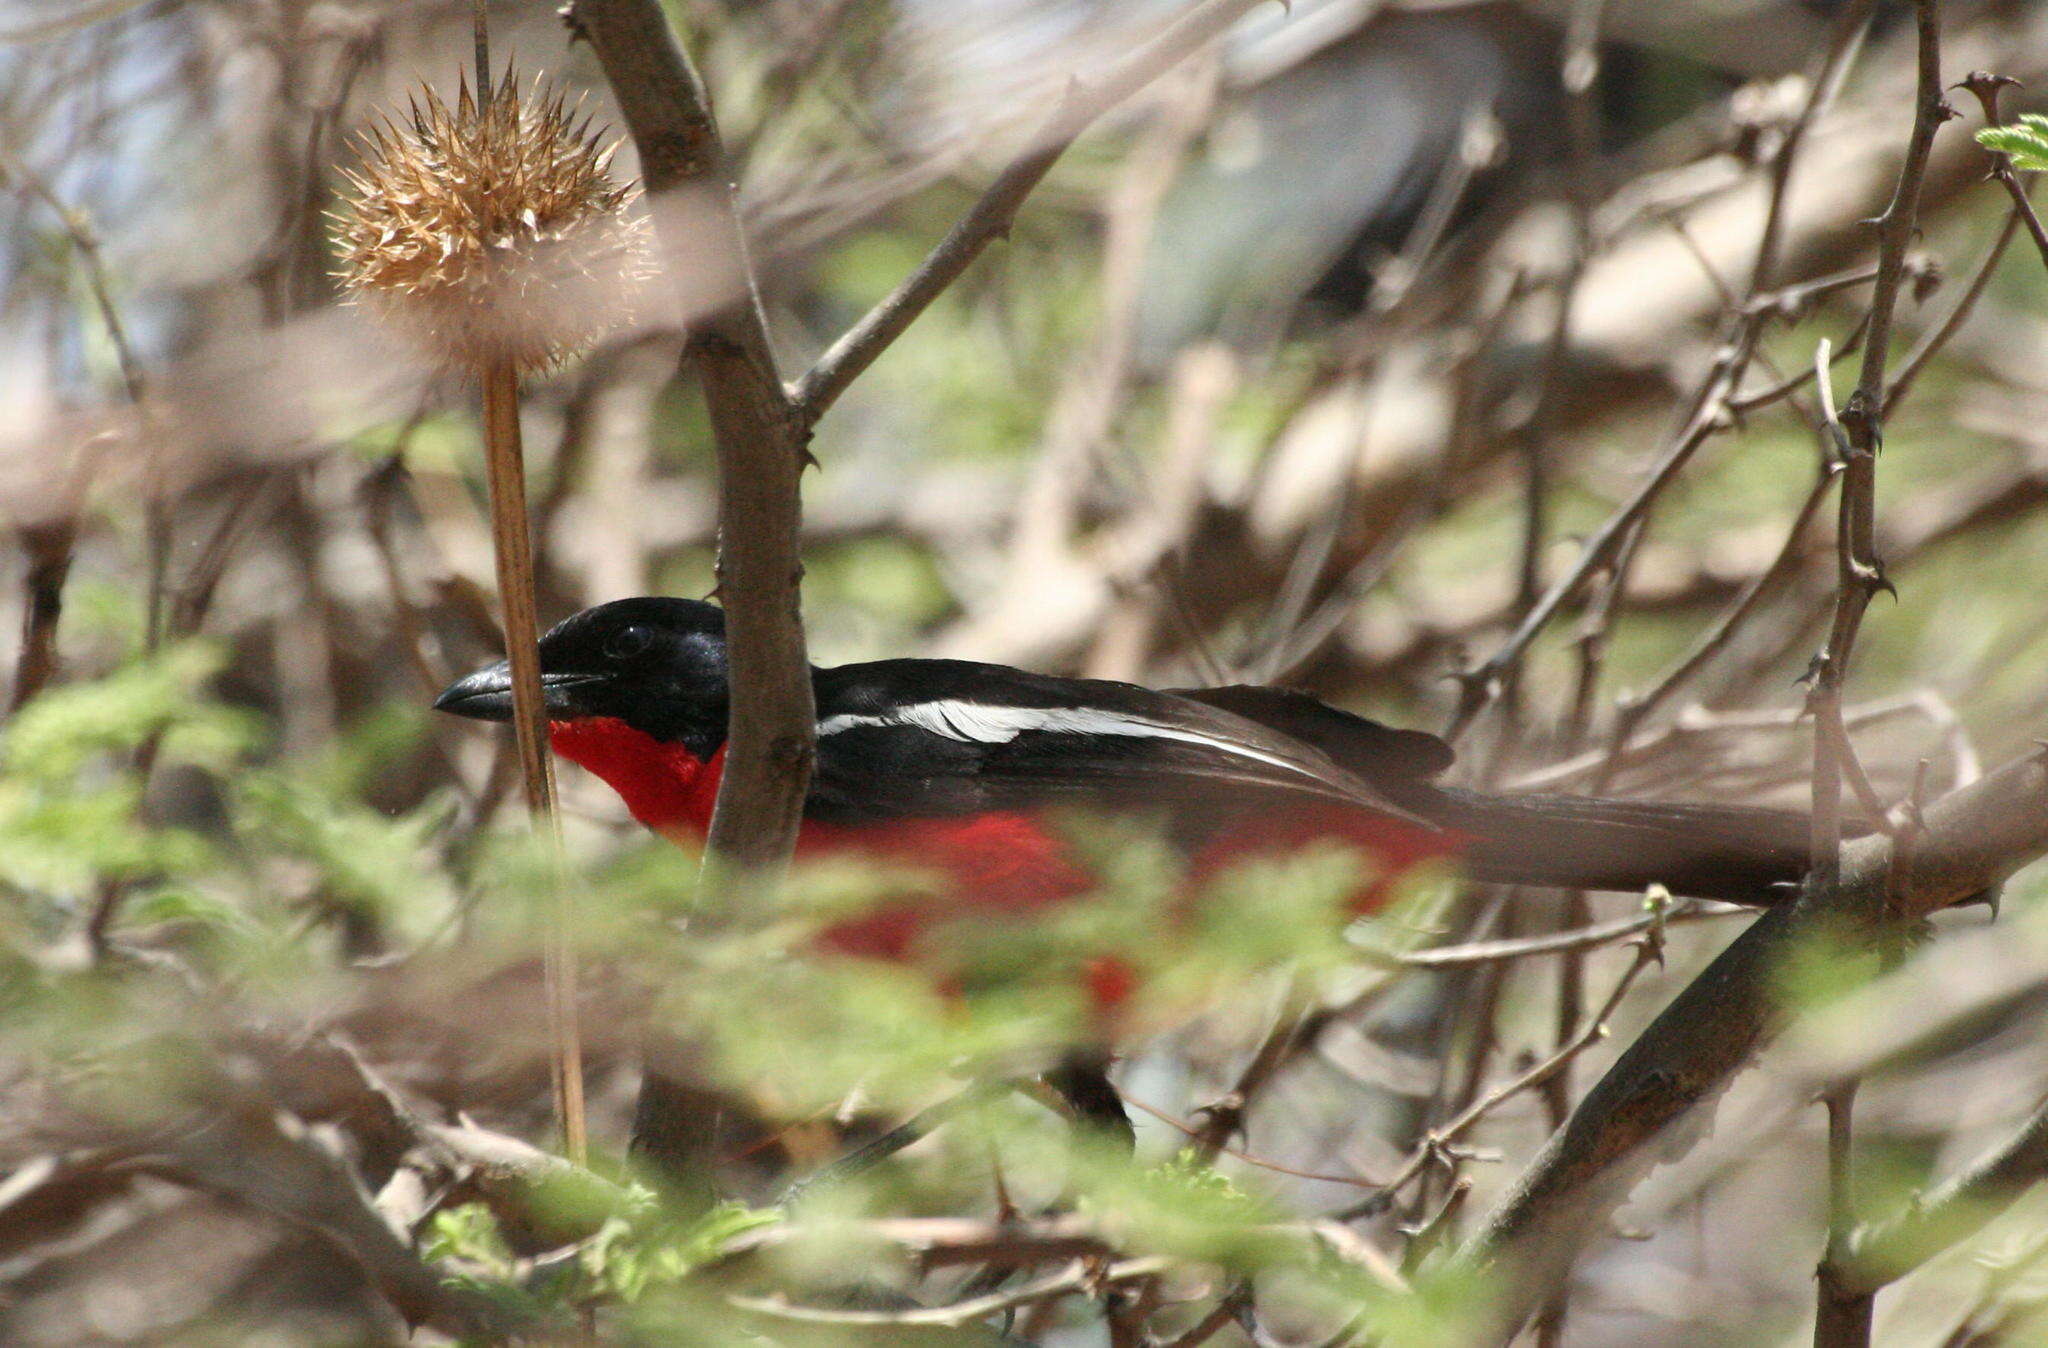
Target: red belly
column 1004, row 865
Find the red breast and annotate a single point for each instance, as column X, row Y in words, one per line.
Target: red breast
column 1006, row 864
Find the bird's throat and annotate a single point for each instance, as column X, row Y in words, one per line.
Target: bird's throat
column 667, row 788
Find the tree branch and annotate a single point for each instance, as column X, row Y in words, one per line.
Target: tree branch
column 1878, row 1253
column 1974, row 838
column 989, row 218
column 267, row 1162
column 761, row 453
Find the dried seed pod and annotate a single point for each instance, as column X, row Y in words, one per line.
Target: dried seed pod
column 491, row 230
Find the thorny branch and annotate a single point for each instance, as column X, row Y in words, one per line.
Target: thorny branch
column 1986, row 87
column 1714, row 1025
column 761, row 444
column 1974, row 838
column 1881, row 1252
column 1861, row 573
column 1709, row 410
column 1649, row 950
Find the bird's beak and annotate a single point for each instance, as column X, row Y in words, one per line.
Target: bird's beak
column 487, row 694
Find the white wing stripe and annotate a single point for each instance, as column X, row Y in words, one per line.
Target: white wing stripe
column 981, row 723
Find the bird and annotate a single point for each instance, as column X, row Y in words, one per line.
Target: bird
column 965, row 768
column 953, row 763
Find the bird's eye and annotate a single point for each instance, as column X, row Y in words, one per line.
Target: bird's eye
column 629, row 642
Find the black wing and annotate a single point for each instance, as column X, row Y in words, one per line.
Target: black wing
column 924, row 738
column 1367, row 748
column 1738, row 853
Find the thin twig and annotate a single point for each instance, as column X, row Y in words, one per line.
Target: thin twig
column 1193, row 1133
column 1552, row 943
column 1083, row 1276
column 1222, row 1118
column 1649, row 950
column 990, row 216
column 1932, row 344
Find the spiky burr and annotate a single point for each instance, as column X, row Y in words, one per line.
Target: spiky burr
column 490, row 230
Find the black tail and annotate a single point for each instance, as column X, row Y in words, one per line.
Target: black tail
column 1736, row 853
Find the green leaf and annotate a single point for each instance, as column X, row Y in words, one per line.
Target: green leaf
column 2025, row 142
column 631, row 1257
column 368, row 863
column 65, row 728
column 468, row 1232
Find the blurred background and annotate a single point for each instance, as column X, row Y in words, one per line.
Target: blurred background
column 1318, row 363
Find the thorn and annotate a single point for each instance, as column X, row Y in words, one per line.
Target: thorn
column 1986, row 87
column 1858, row 416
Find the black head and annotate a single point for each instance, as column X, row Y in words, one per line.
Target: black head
column 656, row 664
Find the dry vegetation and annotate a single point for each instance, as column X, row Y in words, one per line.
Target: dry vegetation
column 1652, row 399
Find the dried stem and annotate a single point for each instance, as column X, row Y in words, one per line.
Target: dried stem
column 511, row 537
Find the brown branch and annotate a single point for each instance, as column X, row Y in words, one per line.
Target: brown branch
column 1882, row 1252
column 1860, row 573
column 1986, row 87
column 255, row 1158
column 990, row 216
column 1842, row 1310
column 1974, row 838
column 760, row 441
